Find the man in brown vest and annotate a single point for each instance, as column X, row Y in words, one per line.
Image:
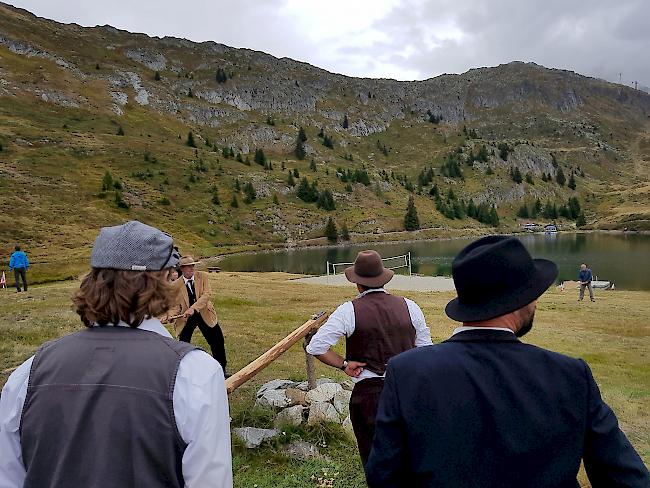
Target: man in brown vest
column 194, row 305
column 377, row 326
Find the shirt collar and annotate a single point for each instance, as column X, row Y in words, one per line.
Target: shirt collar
column 364, row 293
column 151, row 324
column 188, row 279
column 464, row 328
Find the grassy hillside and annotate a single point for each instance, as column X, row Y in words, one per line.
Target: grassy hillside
column 257, row 310
column 76, row 103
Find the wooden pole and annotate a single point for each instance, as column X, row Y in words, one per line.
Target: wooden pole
column 247, row 372
column 309, row 361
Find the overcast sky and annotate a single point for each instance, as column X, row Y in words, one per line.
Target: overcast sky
column 402, row 39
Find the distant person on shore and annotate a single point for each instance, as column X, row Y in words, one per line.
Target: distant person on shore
column 193, row 301
column 120, row 404
column 483, row 409
column 20, row 264
column 377, row 326
column 585, row 277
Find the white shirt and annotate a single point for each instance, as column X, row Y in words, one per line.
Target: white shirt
column 200, row 406
column 342, row 323
column 464, row 328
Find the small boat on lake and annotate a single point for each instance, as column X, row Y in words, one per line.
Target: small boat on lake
column 550, row 229
column 530, row 227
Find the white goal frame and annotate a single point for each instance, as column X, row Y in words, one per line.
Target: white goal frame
column 331, row 267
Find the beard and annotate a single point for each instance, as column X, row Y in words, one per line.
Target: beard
column 526, row 326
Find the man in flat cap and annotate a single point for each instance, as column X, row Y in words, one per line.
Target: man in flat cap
column 193, row 303
column 120, row 404
column 483, row 408
column 377, row 326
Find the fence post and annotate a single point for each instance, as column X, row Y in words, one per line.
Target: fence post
column 410, row 271
column 309, row 362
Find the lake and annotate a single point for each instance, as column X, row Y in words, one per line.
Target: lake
column 621, row 258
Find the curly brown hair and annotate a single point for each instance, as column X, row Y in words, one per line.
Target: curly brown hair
column 108, row 296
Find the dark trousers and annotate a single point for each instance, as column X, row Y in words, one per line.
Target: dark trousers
column 20, row 273
column 363, row 409
column 213, row 336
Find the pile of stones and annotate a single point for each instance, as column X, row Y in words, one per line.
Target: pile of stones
column 296, row 404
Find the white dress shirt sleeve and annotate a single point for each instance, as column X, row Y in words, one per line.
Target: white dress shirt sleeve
column 339, row 324
column 422, row 333
column 201, row 411
column 12, row 469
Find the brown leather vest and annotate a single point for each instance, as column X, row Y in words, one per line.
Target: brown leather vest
column 383, row 329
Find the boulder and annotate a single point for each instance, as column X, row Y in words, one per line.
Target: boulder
column 342, row 402
column 252, row 436
column 304, row 385
column 323, row 393
column 290, row 416
column 296, row 396
column 273, row 398
column 347, row 385
column 274, row 385
column 302, row 450
column 322, row 412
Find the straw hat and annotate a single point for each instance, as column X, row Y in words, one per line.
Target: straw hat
column 187, row 261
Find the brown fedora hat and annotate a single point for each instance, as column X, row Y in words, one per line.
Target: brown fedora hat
column 368, row 270
column 187, row 261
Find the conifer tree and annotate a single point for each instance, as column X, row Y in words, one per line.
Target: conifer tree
column 234, row 203
column 275, row 199
column 300, row 152
column 411, row 220
column 559, row 177
column 302, row 136
column 107, row 181
column 156, row 76
column 190, row 139
column 345, row 234
column 346, row 123
column 249, row 192
column 312, row 165
column 120, row 131
column 330, row 231
column 290, row 180
column 572, row 182
column 215, row 196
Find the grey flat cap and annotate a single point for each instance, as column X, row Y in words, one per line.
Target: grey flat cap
column 134, row 246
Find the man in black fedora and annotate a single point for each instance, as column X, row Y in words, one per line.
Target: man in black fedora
column 483, row 409
column 377, row 326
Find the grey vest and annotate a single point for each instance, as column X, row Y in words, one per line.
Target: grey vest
column 99, row 412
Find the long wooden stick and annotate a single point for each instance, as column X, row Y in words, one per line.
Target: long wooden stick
column 247, row 372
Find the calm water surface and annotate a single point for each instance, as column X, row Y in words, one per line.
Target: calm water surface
column 621, row 258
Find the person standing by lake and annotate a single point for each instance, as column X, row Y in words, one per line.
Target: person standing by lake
column 585, row 277
column 20, row 264
column 377, row 326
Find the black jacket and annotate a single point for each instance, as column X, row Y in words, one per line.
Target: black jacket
column 483, row 409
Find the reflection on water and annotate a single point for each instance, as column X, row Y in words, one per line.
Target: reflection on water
column 623, row 259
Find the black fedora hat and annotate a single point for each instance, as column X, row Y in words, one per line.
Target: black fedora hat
column 494, row 276
column 368, row 270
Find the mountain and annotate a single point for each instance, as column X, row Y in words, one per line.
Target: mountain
column 95, row 122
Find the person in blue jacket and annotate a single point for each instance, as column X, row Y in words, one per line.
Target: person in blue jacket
column 585, row 277
column 20, row 264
